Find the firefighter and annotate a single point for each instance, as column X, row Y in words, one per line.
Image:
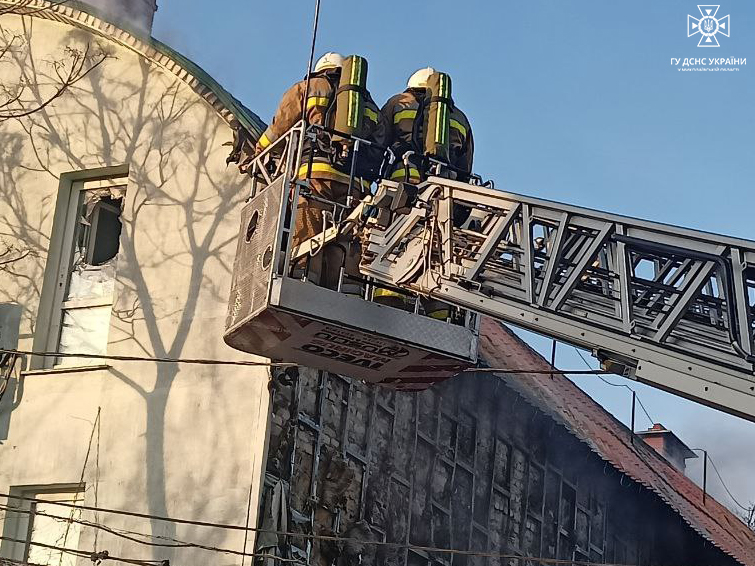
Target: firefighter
column 329, row 170
column 424, row 122
column 406, row 114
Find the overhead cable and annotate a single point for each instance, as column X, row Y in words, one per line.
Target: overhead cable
column 644, row 410
column 130, row 535
column 167, row 360
column 306, row 536
column 208, row 361
column 723, row 483
column 94, row 556
column 403, row 546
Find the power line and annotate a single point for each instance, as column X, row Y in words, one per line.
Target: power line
column 95, row 556
column 726, row 488
column 604, row 380
column 538, row 371
column 723, row 483
column 315, row 22
column 397, row 545
column 126, row 534
column 326, row 537
column 200, row 361
column 104, row 555
column 129, row 513
column 208, row 361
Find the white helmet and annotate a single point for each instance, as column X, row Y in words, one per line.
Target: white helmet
column 419, row 78
column 330, row 60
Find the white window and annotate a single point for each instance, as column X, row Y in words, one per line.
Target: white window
column 37, row 531
column 85, row 280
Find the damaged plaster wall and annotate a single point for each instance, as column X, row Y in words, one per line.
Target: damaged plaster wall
column 467, row 464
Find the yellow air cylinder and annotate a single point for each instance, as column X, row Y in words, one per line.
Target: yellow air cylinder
column 350, row 96
column 438, row 115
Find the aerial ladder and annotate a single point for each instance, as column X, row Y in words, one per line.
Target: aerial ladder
column 667, row 306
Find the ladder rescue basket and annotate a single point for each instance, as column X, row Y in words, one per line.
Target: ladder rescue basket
column 295, row 321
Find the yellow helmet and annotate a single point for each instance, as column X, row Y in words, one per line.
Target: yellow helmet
column 331, row 60
column 419, row 78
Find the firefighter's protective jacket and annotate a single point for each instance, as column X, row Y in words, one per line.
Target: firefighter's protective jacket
column 322, row 88
column 406, row 133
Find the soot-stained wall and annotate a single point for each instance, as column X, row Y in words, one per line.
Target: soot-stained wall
column 467, row 464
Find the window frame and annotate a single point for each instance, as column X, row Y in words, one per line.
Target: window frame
column 18, row 522
column 53, row 305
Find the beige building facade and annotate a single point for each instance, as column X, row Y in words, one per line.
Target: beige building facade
column 118, row 219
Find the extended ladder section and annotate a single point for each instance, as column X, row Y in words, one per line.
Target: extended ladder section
column 667, row 306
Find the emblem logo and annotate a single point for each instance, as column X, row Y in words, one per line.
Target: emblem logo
column 708, row 26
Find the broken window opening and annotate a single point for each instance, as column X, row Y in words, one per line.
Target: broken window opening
column 86, row 278
column 103, row 233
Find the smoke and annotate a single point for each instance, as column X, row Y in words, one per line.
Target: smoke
column 134, row 14
column 729, row 443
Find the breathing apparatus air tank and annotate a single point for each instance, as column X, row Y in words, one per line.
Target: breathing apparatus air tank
column 350, row 96
column 438, row 116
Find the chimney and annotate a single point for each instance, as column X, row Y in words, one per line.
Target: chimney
column 668, row 445
column 130, row 14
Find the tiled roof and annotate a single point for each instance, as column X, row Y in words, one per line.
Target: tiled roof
column 611, row 440
column 89, row 18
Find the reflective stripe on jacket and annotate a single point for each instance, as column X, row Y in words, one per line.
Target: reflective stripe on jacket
column 318, row 102
column 400, row 113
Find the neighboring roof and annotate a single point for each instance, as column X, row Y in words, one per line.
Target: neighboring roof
column 89, row 18
column 568, row 405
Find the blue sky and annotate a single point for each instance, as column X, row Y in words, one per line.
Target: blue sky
column 570, row 100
